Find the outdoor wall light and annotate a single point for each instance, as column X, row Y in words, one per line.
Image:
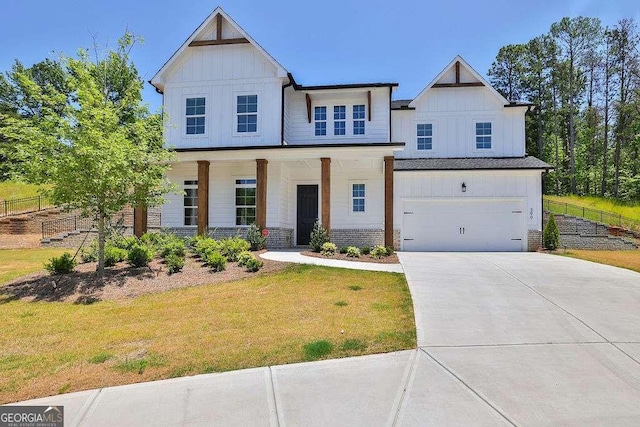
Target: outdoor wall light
column 464, row 187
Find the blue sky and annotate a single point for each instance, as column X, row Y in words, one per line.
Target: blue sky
column 322, row 42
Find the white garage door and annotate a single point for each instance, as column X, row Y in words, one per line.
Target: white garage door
column 463, row 225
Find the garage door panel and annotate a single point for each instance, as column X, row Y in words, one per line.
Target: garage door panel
column 463, row 225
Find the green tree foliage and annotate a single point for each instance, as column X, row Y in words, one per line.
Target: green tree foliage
column 103, row 149
column 551, row 234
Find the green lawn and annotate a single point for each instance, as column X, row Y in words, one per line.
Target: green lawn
column 612, row 208
column 18, row 262
column 16, row 190
column 300, row 313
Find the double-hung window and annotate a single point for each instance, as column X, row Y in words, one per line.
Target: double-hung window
column 245, row 201
column 195, row 113
column 357, row 197
column 425, row 136
column 358, row 119
column 339, row 120
column 190, row 202
column 320, row 118
column 247, row 110
column 483, row 135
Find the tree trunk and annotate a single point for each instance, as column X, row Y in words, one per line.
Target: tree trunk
column 539, row 116
column 572, row 136
column 101, row 240
column 605, row 142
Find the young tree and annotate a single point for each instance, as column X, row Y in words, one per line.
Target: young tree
column 108, row 148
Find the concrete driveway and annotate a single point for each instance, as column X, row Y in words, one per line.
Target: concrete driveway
column 504, row 339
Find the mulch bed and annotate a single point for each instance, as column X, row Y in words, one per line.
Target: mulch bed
column 122, row 281
column 391, row 259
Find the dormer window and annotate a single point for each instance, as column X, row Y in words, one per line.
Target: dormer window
column 320, row 118
column 195, row 114
column 247, row 111
column 483, row 135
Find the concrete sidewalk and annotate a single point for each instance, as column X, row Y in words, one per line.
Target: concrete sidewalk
column 297, row 257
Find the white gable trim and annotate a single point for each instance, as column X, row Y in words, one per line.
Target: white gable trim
column 473, row 72
column 158, row 80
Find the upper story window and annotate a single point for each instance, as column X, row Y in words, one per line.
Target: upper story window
column 339, row 120
column 358, row 119
column 358, row 196
column 245, row 201
column 320, row 117
column 425, row 136
column 195, row 112
column 483, row 135
column 247, row 111
column 190, row 202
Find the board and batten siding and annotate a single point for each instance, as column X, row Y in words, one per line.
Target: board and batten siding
column 453, row 113
column 298, row 130
column 220, row 74
column 441, row 185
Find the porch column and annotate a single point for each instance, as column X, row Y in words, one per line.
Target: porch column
column 388, row 200
column 325, row 180
column 139, row 221
column 203, row 197
column 261, row 193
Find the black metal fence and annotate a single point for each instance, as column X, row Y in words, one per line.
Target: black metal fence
column 602, row 217
column 73, row 223
column 24, row 205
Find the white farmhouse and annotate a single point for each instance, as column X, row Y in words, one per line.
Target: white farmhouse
column 444, row 171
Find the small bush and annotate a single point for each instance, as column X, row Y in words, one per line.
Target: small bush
column 243, row 257
column 176, row 247
column 328, row 249
column 90, row 254
column 231, row 247
column 255, row 238
column 551, row 234
column 215, row 261
column 379, row 252
column 125, row 243
column 113, row 255
column 353, row 252
column 174, row 263
column 365, row 250
column 64, row 264
column 389, row 250
column 318, row 237
column 254, row 265
column 140, row 255
column 202, row 245
column 317, row 349
column 343, row 249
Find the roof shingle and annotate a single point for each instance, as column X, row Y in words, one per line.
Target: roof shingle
column 486, row 163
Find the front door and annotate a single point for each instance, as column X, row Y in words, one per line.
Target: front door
column 307, row 212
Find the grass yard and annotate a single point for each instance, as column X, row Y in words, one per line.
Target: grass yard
column 16, row 190
column 293, row 315
column 608, row 205
column 18, row 262
column 624, row 259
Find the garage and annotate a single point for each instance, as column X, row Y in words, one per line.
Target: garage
column 469, row 225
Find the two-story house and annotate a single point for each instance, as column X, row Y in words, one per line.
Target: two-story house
column 444, row 171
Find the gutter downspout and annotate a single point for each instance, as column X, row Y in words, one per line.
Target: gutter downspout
column 291, row 83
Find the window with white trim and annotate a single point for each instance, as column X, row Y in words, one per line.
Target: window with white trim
column 190, row 202
column 195, row 115
column 483, row 135
column 247, row 112
column 425, row 136
column 339, row 120
column 357, row 197
column 245, row 201
column 320, row 118
column 358, row 119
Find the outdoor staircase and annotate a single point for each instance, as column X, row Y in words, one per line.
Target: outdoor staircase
column 28, row 223
column 580, row 233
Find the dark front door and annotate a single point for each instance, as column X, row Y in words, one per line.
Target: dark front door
column 307, row 212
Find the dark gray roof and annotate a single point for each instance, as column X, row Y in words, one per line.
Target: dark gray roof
column 488, row 163
column 401, row 104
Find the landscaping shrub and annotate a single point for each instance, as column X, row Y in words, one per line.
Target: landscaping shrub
column 328, row 249
column 121, row 242
column 113, row 255
column 63, row 264
column 379, row 252
column 90, row 254
column 231, row 247
column 353, row 252
column 255, row 238
column 175, row 247
column 365, row 250
column 174, row 263
column 140, row 255
column 551, row 234
column 203, row 244
column 318, row 237
column 389, row 250
column 215, row 261
column 343, row 249
column 254, row 264
column 243, row 257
